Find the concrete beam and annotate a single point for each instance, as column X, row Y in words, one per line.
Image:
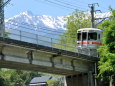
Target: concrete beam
column 37, row 60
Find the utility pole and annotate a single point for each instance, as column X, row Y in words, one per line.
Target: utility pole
column 2, row 26
column 92, row 6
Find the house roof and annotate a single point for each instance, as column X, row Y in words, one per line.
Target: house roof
column 42, row 79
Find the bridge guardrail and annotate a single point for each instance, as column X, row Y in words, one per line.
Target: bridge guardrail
column 40, row 39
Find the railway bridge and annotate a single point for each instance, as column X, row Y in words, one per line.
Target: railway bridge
column 28, row 51
column 78, row 69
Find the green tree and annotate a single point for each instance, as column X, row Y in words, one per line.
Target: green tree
column 107, row 51
column 5, row 74
column 9, row 77
column 75, row 21
column 2, row 81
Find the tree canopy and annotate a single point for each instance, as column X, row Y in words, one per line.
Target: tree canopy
column 107, row 51
column 77, row 20
column 10, row 77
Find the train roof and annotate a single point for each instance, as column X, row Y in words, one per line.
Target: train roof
column 96, row 29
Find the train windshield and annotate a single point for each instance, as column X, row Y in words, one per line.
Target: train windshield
column 84, row 36
column 79, row 36
column 92, row 36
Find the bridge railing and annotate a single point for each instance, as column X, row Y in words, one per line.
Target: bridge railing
column 40, row 39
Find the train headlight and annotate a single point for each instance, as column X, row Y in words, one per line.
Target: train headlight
column 90, row 42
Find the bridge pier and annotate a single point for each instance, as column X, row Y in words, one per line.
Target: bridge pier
column 84, row 79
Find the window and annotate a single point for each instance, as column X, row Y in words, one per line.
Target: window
column 84, row 36
column 79, row 36
column 99, row 36
column 92, row 36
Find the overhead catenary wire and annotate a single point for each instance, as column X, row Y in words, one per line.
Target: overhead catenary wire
column 82, row 2
column 60, row 4
column 105, row 17
column 70, row 4
column 77, row 3
column 4, row 4
column 67, row 5
column 85, row 4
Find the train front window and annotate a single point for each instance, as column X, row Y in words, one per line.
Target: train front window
column 92, row 36
column 84, row 36
column 79, row 36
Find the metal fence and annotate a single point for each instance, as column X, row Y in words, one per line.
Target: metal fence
column 41, row 39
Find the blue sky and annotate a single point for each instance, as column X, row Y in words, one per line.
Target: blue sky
column 46, row 7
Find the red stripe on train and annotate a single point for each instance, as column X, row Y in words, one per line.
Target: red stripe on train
column 90, row 43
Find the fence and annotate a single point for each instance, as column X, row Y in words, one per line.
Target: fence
column 41, row 39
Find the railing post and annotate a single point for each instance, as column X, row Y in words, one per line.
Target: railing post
column 20, row 35
column 61, row 44
column 51, row 43
column 37, row 38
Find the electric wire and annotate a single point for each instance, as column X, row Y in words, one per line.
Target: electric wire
column 60, row 5
column 69, row 4
column 2, row 6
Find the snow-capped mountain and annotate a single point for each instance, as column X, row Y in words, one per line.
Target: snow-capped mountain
column 39, row 29
column 32, row 27
column 41, row 21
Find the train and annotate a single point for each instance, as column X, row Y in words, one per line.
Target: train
column 89, row 40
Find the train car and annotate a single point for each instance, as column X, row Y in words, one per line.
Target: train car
column 88, row 40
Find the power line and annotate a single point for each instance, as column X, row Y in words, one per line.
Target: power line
column 4, row 4
column 105, row 17
column 68, row 4
column 60, row 5
column 80, row 1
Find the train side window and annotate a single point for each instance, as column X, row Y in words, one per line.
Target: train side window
column 79, row 36
column 84, row 36
column 99, row 36
column 92, row 36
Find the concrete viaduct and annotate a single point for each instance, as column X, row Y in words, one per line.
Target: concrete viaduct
column 79, row 69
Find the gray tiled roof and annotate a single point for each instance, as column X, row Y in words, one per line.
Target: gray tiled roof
column 42, row 79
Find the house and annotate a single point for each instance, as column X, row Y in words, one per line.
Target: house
column 41, row 81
